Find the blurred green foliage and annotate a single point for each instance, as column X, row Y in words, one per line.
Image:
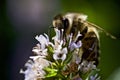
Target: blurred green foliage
column 104, row 13
column 115, row 75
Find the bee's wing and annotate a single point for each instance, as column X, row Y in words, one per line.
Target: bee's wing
column 101, row 29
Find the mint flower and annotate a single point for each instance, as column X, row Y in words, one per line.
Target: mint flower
column 38, row 51
column 74, row 45
column 60, row 54
column 58, row 59
column 34, row 69
column 43, row 40
column 86, row 66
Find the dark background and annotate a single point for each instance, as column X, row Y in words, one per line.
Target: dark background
column 22, row 20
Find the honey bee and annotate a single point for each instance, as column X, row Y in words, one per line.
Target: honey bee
column 75, row 22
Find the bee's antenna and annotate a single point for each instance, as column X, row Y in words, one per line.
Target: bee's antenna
column 101, row 29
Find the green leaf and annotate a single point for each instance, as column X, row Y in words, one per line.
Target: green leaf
column 50, row 49
column 50, row 72
column 50, row 53
column 69, row 57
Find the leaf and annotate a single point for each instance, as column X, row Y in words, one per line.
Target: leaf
column 50, row 72
column 69, row 58
column 50, row 53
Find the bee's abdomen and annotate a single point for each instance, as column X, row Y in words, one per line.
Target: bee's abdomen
column 90, row 47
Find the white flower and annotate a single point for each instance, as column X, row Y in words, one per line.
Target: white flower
column 43, row 40
column 76, row 56
column 86, row 66
column 58, row 49
column 74, row 45
column 37, row 50
column 60, row 54
column 58, row 35
column 56, row 38
column 34, row 69
column 30, row 74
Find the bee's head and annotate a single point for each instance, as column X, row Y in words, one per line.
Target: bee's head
column 60, row 22
column 70, row 23
column 64, row 21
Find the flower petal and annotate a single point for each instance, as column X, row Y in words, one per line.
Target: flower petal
column 64, row 50
column 63, row 57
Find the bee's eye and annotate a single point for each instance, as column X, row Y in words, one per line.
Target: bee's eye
column 65, row 23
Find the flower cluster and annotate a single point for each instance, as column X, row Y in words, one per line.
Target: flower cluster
column 58, row 59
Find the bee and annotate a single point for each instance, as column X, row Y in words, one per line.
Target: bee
column 75, row 22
